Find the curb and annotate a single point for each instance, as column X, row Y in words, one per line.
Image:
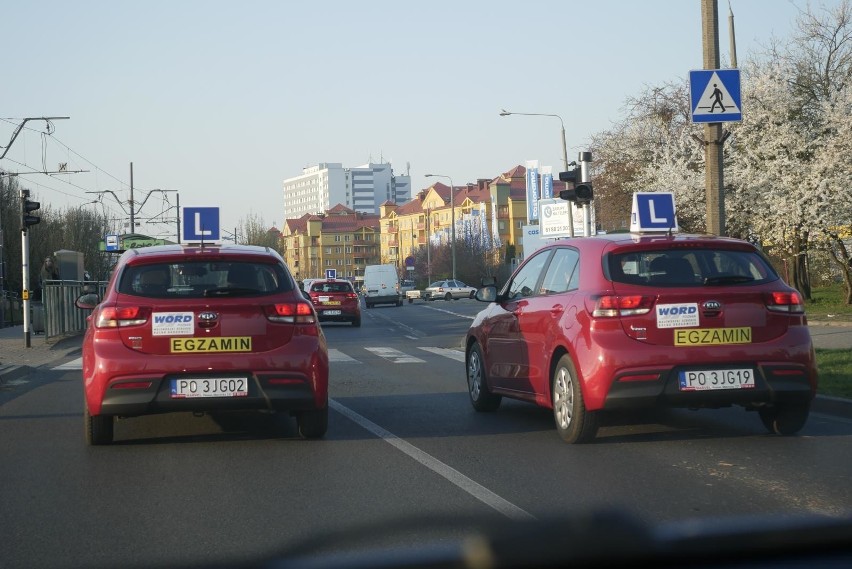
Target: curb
column 829, row 405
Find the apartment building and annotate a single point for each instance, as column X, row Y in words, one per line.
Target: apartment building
column 362, row 188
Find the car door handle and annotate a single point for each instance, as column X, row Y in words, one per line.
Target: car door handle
column 557, row 309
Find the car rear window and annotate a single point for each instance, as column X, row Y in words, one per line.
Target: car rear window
column 689, row 267
column 198, row 279
column 342, row 286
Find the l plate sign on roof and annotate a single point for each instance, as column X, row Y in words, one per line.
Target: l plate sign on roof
column 653, row 211
column 715, row 95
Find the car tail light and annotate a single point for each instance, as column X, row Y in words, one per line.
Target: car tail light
column 351, row 295
column 112, row 317
column 784, row 302
column 291, row 312
column 611, row 306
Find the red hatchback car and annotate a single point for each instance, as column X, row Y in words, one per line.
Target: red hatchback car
column 335, row 301
column 619, row 321
column 202, row 329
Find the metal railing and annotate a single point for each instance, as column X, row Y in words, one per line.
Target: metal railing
column 60, row 316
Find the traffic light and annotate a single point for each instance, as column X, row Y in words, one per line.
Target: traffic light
column 582, row 193
column 28, row 206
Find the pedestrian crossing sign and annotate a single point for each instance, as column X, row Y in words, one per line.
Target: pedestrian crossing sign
column 715, row 95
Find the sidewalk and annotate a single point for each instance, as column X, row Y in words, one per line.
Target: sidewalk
column 17, row 360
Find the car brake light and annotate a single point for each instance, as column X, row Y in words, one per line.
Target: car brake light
column 611, row 306
column 351, row 295
column 784, row 302
column 112, row 317
column 291, row 312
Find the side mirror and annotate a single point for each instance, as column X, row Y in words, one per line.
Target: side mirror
column 87, row 301
column 486, row 294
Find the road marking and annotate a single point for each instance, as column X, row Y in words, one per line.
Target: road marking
column 473, row 488
column 335, row 355
column 450, row 312
column 72, row 365
column 395, row 356
column 447, row 353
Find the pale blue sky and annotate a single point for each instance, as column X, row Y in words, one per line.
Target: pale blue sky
column 224, row 100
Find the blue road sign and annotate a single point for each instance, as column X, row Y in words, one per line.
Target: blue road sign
column 653, row 211
column 112, row 243
column 331, row 274
column 201, row 224
column 715, row 95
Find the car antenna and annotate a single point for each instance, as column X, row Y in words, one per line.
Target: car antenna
column 671, row 227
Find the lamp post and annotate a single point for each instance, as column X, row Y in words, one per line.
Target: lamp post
column 505, row 113
column 453, row 226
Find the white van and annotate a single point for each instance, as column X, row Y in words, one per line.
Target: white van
column 381, row 285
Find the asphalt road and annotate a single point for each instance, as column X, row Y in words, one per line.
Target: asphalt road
column 403, row 443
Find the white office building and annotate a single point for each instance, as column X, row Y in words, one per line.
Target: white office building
column 363, row 188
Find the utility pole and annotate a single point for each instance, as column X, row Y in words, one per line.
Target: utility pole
column 714, row 172
column 132, row 215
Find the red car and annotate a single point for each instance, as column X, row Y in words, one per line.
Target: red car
column 335, row 301
column 619, row 321
column 202, row 329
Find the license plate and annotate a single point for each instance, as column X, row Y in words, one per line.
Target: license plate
column 713, row 379
column 209, row 387
column 332, row 303
column 331, row 312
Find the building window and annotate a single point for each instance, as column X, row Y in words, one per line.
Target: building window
column 328, row 250
column 501, row 225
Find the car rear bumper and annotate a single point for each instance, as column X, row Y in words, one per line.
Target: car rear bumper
column 120, row 381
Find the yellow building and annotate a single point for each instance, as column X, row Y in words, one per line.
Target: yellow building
column 340, row 239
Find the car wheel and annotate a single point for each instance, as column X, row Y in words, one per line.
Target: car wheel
column 399, row 303
column 448, row 296
column 472, row 294
column 785, row 418
column 99, row 428
column 480, row 397
column 356, row 323
column 573, row 422
column 312, row 424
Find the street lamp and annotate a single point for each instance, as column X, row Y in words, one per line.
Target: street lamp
column 453, row 227
column 505, row 113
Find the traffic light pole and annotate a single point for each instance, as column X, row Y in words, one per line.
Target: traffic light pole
column 585, row 159
column 25, row 267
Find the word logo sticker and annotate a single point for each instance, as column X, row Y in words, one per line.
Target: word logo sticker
column 172, row 323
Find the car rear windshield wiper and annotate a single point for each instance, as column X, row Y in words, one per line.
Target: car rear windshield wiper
column 728, row 279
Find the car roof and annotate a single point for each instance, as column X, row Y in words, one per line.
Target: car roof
column 187, row 252
column 609, row 241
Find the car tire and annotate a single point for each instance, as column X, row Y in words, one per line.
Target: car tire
column 448, row 296
column 574, row 423
column 477, row 383
column 312, row 424
column 99, row 428
column 472, row 294
column 786, row 418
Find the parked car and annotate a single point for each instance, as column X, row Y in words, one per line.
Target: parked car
column 448, row 290
column 202, row 329
column 336, row 301
column 621, row 321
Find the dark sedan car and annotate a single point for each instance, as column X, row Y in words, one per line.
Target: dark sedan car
column 621, row 321
column 202, row 329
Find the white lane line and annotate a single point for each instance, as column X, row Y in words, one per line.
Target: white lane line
column 473, row 488
column 451, row 312
column 73, row 364
column 395, row 356
column 451, row 353
column 335, row 355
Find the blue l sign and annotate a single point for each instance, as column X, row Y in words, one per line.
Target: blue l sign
column 653, row 211
column 201, row 224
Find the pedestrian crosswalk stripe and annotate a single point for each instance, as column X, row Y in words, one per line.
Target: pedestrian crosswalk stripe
column 73, row 364
column 335, row 355
column 395, row 356
column 447, row 353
